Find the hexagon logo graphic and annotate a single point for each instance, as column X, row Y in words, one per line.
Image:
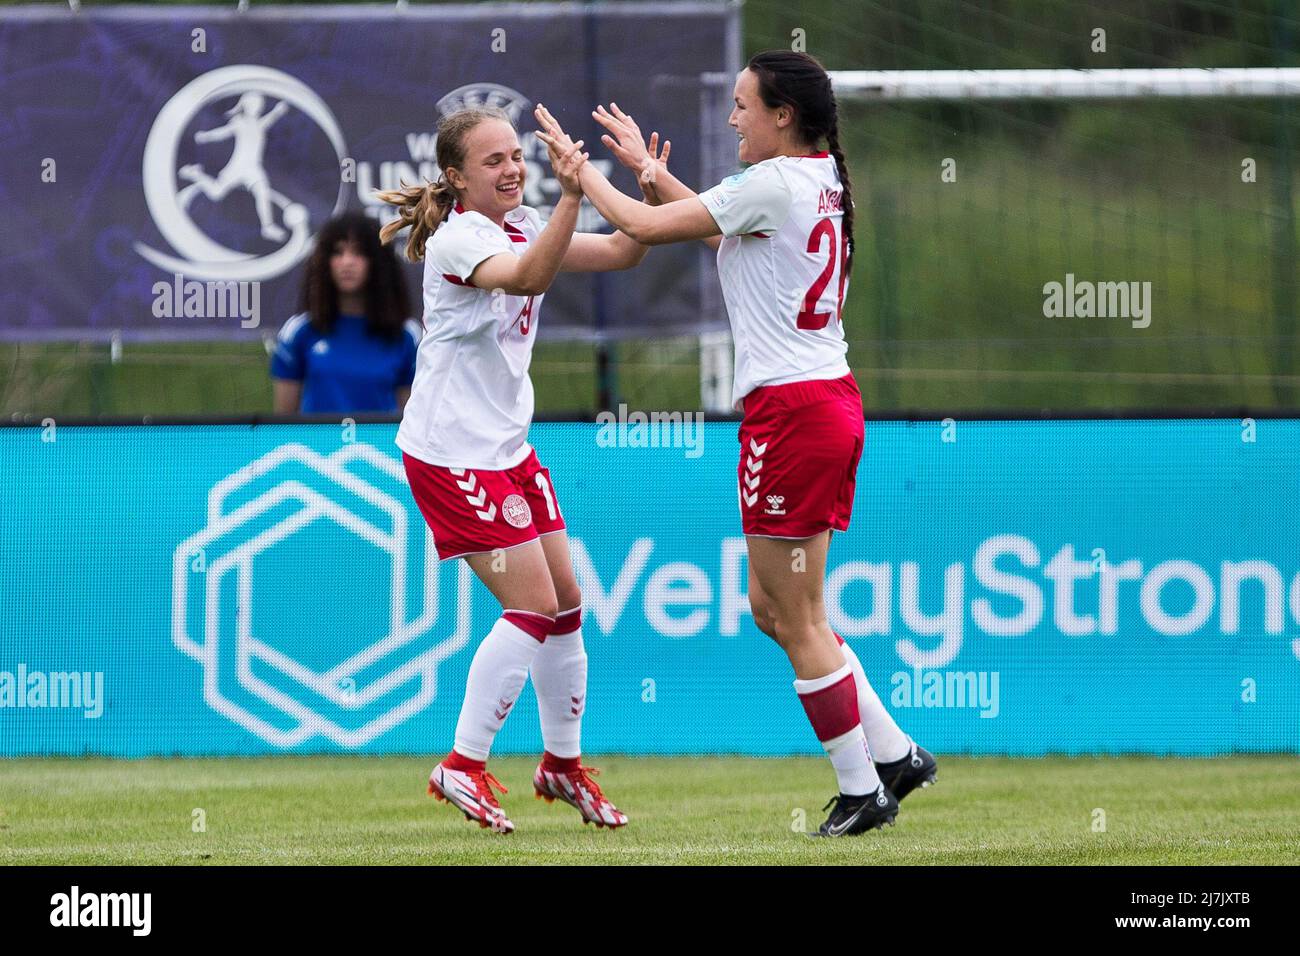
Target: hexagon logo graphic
column 312, row 598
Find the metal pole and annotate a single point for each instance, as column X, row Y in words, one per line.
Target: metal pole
column 606, row 354
column 1284, row 241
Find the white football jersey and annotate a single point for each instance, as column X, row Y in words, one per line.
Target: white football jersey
column 781, row 267
column 472, row 400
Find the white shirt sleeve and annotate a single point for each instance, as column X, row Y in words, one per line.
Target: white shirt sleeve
column 457, row 248
column 533, row 217
column 756, row 200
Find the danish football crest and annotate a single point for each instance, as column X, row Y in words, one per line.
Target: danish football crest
column 516, row 511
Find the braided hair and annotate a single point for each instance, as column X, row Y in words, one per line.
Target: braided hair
column 797, row 80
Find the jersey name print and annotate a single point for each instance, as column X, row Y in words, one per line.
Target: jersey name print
column 829, row 200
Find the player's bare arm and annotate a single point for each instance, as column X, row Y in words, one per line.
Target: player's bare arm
column 679, row 221
column 533, row 272
column 654, row 177
column 594, row 252
column 287, row 396
column 590, row 252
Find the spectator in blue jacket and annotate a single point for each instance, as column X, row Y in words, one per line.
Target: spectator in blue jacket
column 352, row 347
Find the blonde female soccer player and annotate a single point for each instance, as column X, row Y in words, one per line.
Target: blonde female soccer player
column 488, row 261
column 783, row 230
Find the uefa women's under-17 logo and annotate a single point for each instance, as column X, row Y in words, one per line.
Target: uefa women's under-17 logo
column 264, row 97
column 313, row 598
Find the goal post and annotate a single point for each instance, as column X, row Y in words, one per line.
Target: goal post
column 1064, row 84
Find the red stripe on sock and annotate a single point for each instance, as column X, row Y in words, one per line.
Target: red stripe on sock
column 833, row 710
column 838, row 638
column 535, row 625
column 457, row 761
column 560, row 764
column 568, row 621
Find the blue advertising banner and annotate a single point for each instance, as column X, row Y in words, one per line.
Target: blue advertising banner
column 1011, row 587
column 165, row 168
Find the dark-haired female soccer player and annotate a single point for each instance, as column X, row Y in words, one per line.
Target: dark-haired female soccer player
column 352, row 347
column 783, row 229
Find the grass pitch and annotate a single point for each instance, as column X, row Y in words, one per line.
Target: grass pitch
column 349, row 810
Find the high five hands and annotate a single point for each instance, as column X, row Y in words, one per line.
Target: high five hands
column 625, row 142
column 565, row 155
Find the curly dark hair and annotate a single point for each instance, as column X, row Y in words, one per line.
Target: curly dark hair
column 388, row 302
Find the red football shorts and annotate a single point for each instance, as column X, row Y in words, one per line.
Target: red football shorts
column 471, row 511
column 799, row 449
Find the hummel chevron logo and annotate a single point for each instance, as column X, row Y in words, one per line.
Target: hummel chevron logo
column 476, row 500
column 503, row 708
column 576, row 709
column 752, row 466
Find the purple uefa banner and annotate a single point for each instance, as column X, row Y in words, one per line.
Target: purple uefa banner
column 162, row 167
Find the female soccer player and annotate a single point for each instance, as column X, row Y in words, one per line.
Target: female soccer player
column 783, row 229
column 488, row 261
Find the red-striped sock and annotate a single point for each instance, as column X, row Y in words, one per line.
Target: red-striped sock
column 560, row 764
column 831, row 703
column 455, row 761
column 537, row 626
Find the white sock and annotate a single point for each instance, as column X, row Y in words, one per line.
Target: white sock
column 559, row 675
column 496, row 676
column 852, row 762
column 885, row 738
column 831, row 704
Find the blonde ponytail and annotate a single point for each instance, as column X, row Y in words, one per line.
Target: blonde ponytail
column 422, row 208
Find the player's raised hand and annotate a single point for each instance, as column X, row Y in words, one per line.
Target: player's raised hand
column 657, row 158
column 551, row 126
column 625, row 141
column 567, row 163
